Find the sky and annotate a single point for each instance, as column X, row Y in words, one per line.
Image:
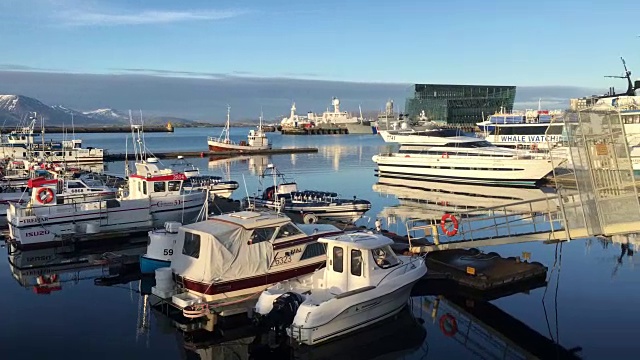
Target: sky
column 539, row 43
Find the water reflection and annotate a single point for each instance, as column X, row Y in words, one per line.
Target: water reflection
column 49, row 270
column 429, row 200
column 255, row 164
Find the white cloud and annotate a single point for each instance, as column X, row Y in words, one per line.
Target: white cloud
column 110, row 18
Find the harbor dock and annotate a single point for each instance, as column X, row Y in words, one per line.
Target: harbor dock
column 175, row 154
column 96, row 129
column 314, row 131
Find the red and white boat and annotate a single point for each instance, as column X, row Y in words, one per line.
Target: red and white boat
column 256, row 140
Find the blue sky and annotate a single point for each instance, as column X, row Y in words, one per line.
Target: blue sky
column 543, row 42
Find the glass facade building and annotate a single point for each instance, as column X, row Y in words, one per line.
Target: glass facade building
column 459, row 104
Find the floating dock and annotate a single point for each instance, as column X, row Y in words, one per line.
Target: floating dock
column 175, row 154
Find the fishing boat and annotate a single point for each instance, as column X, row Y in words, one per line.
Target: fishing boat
column 154, row 196
column 68, row 191
column 256, row 140
column 21, row 144
column 309, row 205
column 363, row 283
column 160, row 248
column 448, row 155
column 231, row 256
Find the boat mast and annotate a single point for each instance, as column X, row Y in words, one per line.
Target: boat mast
column 228, row 124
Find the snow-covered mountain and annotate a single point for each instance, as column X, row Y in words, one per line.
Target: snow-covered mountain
column 15, row 108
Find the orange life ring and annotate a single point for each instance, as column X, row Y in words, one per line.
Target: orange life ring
column 452, row 329
column 47, row 198
column 445, row 156
column 443, row 224
column 270, row 194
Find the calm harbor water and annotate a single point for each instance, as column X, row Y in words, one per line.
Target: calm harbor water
column 588, row 301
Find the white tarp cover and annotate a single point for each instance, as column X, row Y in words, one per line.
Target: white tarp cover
column 224, row 253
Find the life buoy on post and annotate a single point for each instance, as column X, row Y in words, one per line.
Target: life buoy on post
column 44, row 195
column 443, row 224
column 448, row 325
column 310, row 219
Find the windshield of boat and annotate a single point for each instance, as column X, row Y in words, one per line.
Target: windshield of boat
column 384, row 257
column 442, row 133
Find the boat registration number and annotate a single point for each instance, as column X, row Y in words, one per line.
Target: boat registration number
column 282, row 260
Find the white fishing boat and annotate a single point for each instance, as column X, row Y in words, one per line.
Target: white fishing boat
column 449, row 156
column 154, row 196
column 363, row 282
column 239, row 254
column 21, row 144
column 256, row 140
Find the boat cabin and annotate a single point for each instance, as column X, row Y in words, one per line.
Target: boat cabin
column 244, row 244
column 151, row 180
column 357, row 260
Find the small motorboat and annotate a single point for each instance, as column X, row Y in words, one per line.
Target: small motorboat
column 216, row 186
column 309, row 205
column 362, row 283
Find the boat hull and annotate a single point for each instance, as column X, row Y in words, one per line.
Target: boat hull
column 349, row 212
column 149, row 265
column 457, row 169
column 357, row 316
column 216, row 146
column 361, row 129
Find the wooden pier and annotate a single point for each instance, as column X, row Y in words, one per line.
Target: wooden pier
column 175, row 154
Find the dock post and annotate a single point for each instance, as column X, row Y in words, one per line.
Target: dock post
column 434, row 234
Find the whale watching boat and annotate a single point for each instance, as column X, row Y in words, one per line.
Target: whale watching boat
column 310, row 205
column 363, row 283
column 154, row 196
column 257, row 140
column 448, row 155
column 234, row 255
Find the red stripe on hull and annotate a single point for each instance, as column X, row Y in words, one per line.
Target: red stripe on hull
column 263, row 280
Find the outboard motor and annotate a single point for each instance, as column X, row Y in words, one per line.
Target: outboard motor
column 284, row 311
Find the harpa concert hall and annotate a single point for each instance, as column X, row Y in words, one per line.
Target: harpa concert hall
column 459, row 104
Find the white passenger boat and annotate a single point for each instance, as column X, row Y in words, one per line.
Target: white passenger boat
column 362, row 283
column 447, row 156
column 256, row 140
column 155, row 195
column 541, row 129
column 239, row 254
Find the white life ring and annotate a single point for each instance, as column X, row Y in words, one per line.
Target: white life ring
column 310, row 219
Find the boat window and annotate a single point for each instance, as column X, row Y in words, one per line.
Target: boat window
column 384, row 257
column 287, row 230
column 159, row 186
column 112, row 203
column 262, row 234
column 338, row 259
column 313, row 250
column 144, row 187
column 356, row 262
column 174, row 185
column 75, row 185
column 191, row 245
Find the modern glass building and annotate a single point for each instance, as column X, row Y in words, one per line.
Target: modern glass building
column 459, row 104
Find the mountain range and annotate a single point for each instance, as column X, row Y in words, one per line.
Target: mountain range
column 15, row 108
